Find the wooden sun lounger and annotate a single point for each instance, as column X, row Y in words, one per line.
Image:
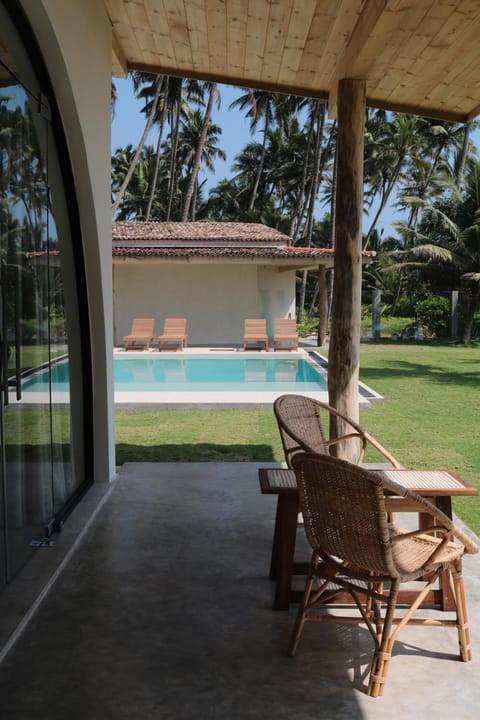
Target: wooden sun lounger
column 174, row 334
column 255, row 334
column 285, row 335
column 141, row 336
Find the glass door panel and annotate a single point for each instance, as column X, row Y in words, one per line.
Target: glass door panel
column 35, row 421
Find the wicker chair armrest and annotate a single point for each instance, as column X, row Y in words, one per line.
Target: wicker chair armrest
column 445, row 524
column 382, row 450
column 364, row 436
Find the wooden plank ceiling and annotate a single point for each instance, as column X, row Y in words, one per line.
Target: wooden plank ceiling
column 417, row 56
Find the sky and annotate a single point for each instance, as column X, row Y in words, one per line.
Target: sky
column 129, row 122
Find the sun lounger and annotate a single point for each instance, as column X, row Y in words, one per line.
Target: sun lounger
column 255, row 334
column 285, row 335
column 174, row 334
column 141, row 336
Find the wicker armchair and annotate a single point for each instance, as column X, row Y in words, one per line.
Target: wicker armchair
column 300, row 423
column 355, row 550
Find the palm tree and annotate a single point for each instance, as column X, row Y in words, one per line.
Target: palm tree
column 157, row 85
column 449, row 234
column 387, row 150
column 261, row 104
column 318, row 123
column 200, row 147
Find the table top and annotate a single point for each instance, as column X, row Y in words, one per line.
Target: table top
column 422, row 482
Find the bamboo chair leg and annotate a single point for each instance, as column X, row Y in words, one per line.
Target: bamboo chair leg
column 381, row 658
column 300, row 620
column 462, row 617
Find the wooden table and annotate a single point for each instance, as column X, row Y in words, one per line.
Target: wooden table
column 438, row 486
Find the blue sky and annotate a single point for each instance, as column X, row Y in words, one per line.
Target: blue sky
column 129, row 122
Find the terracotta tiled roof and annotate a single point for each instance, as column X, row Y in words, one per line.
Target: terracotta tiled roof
column 186, row 233
column 286, row 252
column 211, row 240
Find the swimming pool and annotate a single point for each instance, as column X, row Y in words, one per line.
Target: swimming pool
column 187, row 374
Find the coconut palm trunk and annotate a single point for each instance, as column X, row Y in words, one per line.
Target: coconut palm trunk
column 319, row 113
column 143, row 139
column 199, row 152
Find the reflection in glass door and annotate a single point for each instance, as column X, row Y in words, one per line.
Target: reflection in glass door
column 35, row 444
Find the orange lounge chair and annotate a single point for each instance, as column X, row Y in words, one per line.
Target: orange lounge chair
column 174, row 334
column 141, row 335
column 285, row 335
column 255, row 333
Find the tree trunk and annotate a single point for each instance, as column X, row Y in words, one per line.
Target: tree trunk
column 157, row 158
column 472, row 307
column 320, row 115
column 199, row 152
column 173, row 153
column 322, row 306
column 463, row 155
column 343, row 371
column 136, row 157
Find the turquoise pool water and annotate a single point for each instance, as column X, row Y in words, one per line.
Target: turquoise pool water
column 196, row 373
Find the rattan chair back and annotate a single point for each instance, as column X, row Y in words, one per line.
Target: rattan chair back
column 344, row 515
column 304, row 425
column 300, row 425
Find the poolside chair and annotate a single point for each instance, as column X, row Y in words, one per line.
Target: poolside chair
column 174, row 334
column 141, row 335
column 301, row 425
column 355, row 551
column 255, row 334
column 285, row 334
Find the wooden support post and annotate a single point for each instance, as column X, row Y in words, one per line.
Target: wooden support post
column 376, row 313
column 322, row 306
column 344, row 352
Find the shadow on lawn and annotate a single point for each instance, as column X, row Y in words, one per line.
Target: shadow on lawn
column 195, row 452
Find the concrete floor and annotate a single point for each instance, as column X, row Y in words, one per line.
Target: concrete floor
column 161, row 608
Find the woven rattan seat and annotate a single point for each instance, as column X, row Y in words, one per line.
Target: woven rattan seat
column 356, row 550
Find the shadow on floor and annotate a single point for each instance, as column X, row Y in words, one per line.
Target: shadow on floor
column 164, row 610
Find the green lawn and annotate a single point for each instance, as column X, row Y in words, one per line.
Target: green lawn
column 430, row 418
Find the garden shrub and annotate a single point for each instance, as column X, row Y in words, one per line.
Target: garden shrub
column 434, row 312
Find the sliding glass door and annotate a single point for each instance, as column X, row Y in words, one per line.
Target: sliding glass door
column 38, row 475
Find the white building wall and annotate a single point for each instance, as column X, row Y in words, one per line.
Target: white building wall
column 215, row 299
column 75, row 40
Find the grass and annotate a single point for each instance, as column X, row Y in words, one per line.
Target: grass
column 431, row 414
column 197, row 436
column 430, row 419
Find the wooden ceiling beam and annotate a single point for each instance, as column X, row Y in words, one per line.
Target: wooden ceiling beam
column 361, row 33
column 119, row 61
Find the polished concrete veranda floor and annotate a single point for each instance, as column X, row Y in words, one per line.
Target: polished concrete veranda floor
column 161, row 608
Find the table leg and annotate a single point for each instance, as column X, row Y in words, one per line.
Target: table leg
column 444, row 503
column 285, row 535
column 277, row 532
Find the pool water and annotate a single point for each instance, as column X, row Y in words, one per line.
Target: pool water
column 197, row 373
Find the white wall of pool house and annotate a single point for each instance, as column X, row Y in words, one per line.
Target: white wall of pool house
column 215, row 299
